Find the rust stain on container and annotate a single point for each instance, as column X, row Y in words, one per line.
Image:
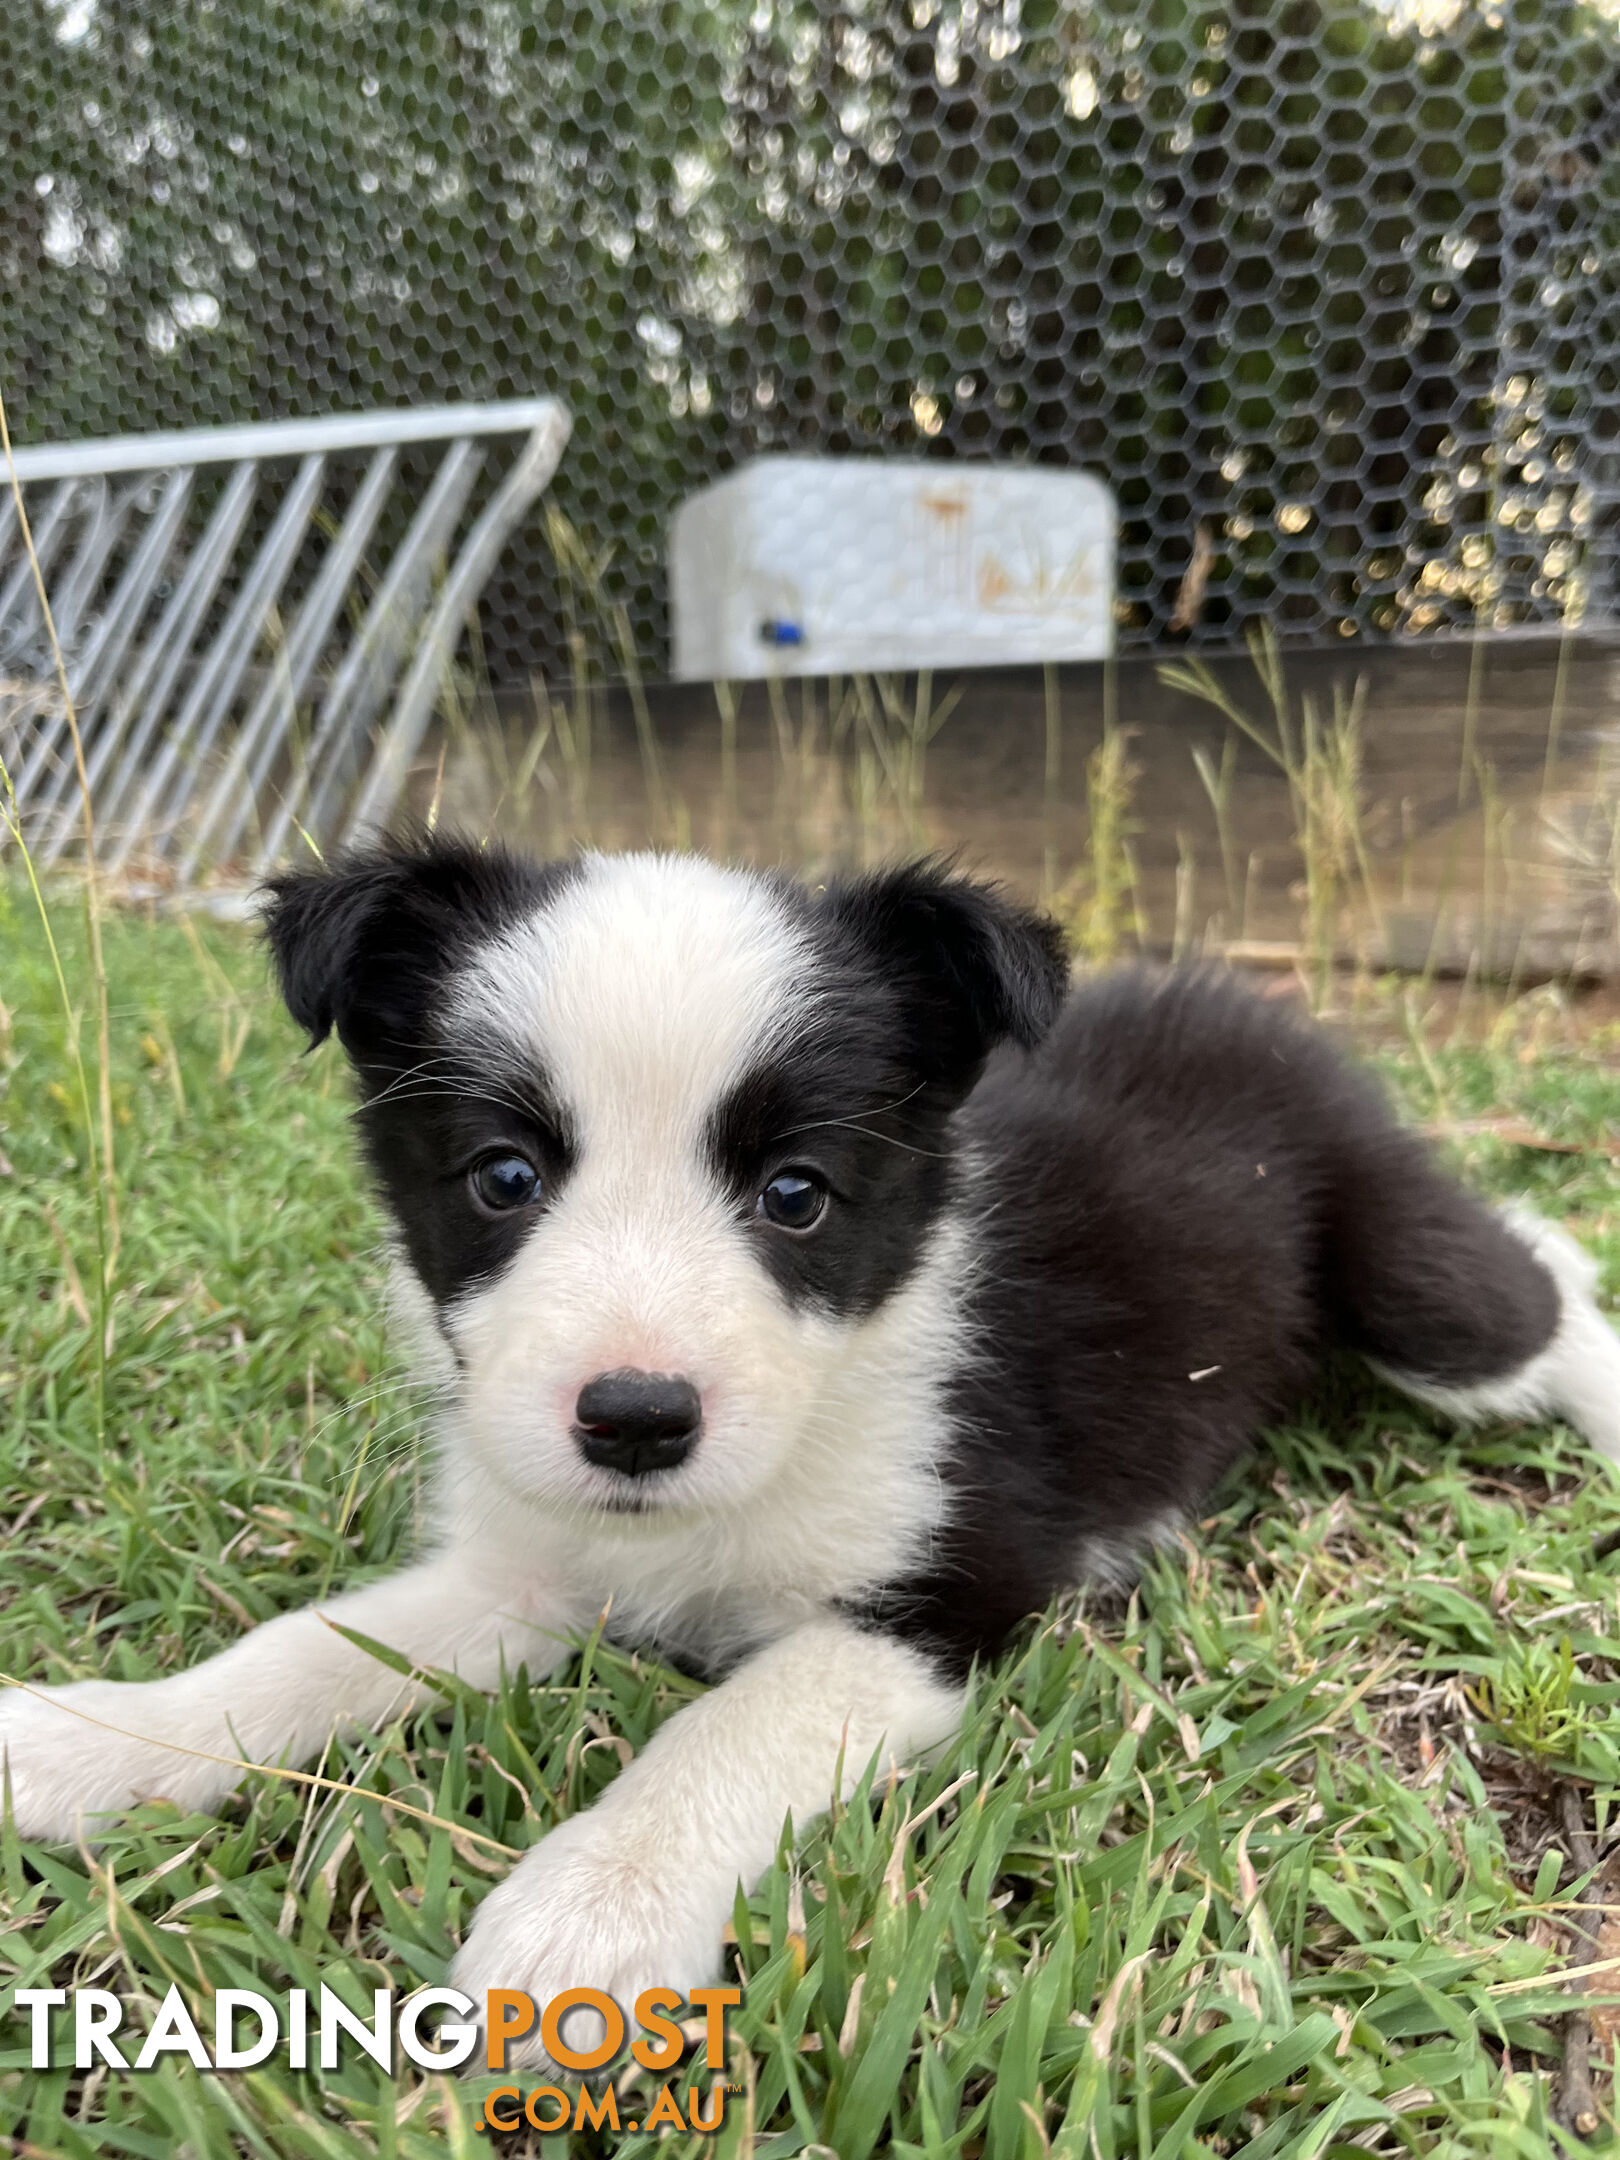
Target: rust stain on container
column 994, row 583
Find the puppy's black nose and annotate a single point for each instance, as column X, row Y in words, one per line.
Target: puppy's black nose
column 634, row 1422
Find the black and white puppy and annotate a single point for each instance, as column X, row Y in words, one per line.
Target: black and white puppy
column 816, row 1282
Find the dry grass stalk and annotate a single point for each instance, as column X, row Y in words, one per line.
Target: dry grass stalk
column 98, row 1126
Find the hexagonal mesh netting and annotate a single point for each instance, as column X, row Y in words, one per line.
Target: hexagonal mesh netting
column 1325, row 289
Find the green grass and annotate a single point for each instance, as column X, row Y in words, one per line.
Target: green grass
column 1265, row 1862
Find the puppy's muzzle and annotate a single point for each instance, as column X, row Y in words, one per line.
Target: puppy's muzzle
column 637, row 1422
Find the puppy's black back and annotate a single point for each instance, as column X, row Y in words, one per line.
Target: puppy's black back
column 1182, row 1194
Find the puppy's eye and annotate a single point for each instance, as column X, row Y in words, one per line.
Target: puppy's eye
column 503, row 1182
column 793, row 1200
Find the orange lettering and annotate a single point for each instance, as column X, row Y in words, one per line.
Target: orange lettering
column 664, row 2051
column 714, row 2002
column 502, row 2122
column 717, row 2109
column 665, row 2109
column 580, row 1998
column 501, row 2027
column 531, row 2108
column 592, row 2115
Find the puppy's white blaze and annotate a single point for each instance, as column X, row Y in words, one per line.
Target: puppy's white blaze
column 643, row 989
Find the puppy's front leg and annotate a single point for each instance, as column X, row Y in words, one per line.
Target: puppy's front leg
column 634, row 1892
column 276, row 1696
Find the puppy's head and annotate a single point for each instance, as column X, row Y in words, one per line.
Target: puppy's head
column 660, row 1139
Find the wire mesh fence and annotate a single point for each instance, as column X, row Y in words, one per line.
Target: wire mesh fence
column 1326, row 290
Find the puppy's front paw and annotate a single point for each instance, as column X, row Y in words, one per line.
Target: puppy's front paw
column 75, row 1753
column 593, row 1906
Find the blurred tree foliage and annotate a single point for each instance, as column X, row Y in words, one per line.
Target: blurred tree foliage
column 1334, row 283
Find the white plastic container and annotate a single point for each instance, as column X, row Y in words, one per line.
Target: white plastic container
column 840, row 566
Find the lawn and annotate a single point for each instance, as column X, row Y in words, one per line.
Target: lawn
column 1270, row 1860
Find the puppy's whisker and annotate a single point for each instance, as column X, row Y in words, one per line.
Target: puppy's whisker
column 454, row 1074
column 854, row 1125
column 362, row 1402
column 451, row 1094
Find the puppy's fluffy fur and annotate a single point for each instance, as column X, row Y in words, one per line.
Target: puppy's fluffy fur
column 971, row 1287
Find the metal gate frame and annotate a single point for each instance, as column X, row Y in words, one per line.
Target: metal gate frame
column 193, row 757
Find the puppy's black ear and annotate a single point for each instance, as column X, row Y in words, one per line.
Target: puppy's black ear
column 364, row 946
column 972, row 967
